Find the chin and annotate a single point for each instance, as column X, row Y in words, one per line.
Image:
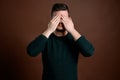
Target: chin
column 60, row 29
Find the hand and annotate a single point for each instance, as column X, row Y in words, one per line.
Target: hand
column 69, row 26
column 52, row 26
column 68, row 23
column 54, row 23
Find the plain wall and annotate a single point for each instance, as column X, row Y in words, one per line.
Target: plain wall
column 21, row 21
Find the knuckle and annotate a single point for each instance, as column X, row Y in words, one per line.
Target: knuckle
column 51, row 22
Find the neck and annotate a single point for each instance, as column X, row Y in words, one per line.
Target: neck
column 59, row 33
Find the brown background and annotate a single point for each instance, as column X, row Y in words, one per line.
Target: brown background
column 23, row 20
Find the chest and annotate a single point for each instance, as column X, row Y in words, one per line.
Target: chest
column 60, row 50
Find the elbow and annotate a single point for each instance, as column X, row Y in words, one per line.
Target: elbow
column 31, row 52
column 89, row 52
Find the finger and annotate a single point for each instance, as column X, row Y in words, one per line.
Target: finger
column 57, row 21
column 62, row 16
column 63, row 20
column 54, row 18
column 66, row 17
column 59, row 17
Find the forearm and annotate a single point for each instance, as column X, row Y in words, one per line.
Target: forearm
column 76, row 35
column 52, row 26
column 85, row 47
column 47, row 33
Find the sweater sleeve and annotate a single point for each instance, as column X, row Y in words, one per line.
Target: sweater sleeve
column 37, row 45
column 85, row 47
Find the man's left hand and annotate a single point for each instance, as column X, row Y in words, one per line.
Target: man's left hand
column 68, row 23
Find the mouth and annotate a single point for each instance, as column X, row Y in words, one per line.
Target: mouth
column 60, row 27
column 61, row 24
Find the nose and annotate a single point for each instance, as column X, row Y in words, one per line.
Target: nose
column 60, row 20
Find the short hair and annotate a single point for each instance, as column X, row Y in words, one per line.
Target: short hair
column 59, row 7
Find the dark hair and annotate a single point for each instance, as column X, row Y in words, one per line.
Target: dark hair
column 58, row 7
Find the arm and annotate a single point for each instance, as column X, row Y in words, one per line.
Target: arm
column 52, row 26
column 38, row 45
column 68, row 23
column 84, row 46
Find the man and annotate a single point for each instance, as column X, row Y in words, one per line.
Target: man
column 60, row 45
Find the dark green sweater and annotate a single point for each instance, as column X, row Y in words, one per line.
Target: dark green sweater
column 60, row 55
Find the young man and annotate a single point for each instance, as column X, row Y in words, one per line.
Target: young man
column 60, row 45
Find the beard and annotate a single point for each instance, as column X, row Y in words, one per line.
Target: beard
column 60, row 28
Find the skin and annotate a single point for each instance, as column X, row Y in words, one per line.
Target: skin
column 60, row 25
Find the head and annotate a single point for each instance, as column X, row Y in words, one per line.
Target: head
column 62, row 9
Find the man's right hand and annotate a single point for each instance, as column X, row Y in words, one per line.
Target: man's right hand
column 52, row 25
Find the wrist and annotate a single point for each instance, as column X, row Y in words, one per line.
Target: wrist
column 71, row 31
column 75, row 34
column 47, row 33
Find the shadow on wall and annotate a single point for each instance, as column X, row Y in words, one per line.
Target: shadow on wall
column 15, row 63
column 11, row 57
